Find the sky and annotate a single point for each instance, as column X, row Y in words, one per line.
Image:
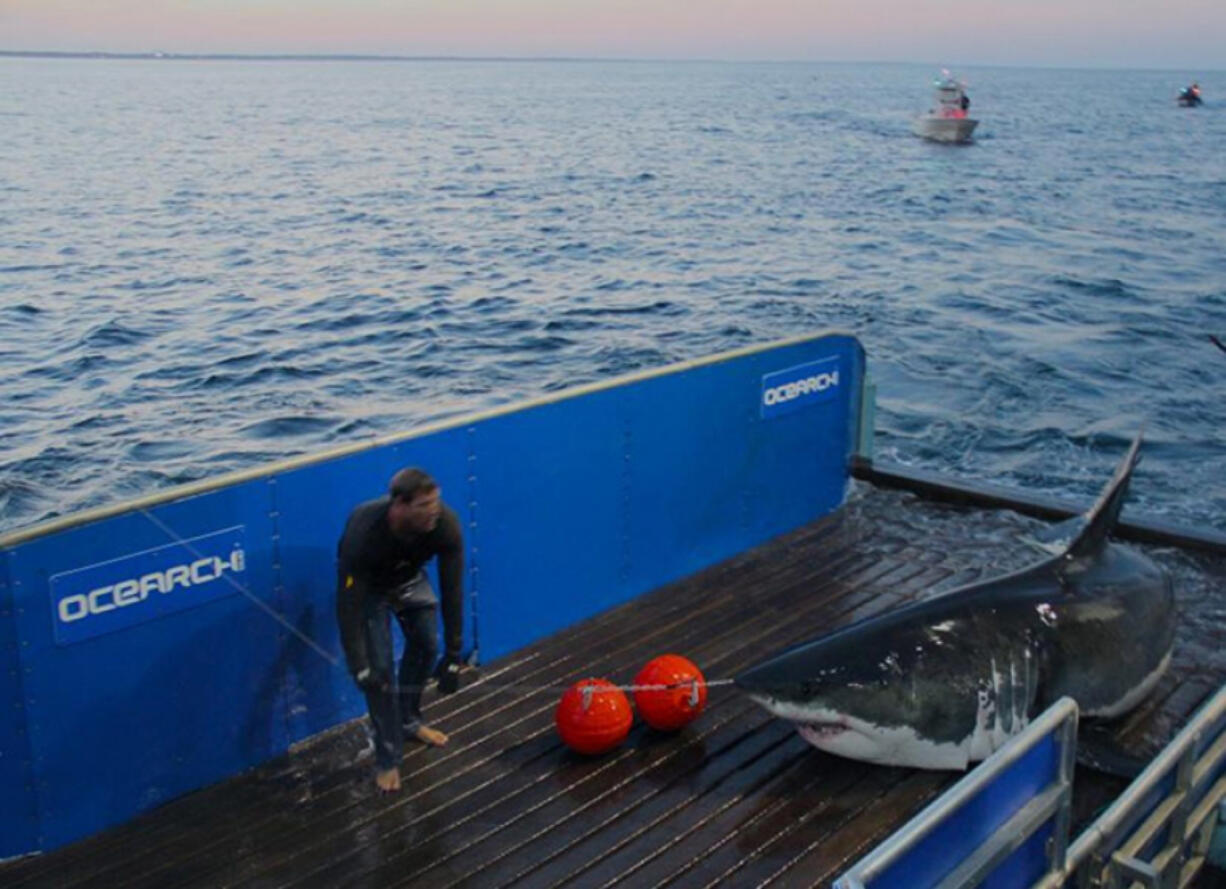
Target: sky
column 1177, row 34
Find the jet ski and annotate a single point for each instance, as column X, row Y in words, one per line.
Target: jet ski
column 1189, row 96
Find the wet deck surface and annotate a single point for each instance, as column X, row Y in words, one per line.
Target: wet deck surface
column 735, row 799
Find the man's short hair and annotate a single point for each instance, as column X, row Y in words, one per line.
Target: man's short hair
column 409, row 483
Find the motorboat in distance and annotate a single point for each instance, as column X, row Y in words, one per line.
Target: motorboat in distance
column 946, row 120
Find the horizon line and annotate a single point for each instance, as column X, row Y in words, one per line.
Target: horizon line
column 156, row 55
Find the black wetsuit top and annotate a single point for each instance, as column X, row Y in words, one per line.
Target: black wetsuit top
column 374, row 562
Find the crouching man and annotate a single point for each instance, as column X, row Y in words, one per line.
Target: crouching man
column 381, row 559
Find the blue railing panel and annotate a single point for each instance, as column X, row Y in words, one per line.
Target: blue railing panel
column 953, row 840
column 180, row 694
column 690, row 504
column 1146, row 803
column 1026, row 865
column 19, row 824
column 551, row 510
column 1165, row 786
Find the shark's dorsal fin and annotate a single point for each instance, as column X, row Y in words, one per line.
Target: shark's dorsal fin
column 1106, row 510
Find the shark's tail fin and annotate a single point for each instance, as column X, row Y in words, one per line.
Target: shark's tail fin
column 1102, row 516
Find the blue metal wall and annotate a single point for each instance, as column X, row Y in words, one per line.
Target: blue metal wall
column 125, row 720
column 19, row 810
column 161, row 649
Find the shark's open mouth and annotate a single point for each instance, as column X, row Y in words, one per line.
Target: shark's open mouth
column 818, row 733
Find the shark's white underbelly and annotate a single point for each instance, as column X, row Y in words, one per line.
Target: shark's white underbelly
column 898, row 746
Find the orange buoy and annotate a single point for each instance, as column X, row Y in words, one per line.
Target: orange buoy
column 668, row 709
column 593, row 716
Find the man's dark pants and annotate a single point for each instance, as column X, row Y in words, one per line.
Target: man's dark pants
column 395, row 712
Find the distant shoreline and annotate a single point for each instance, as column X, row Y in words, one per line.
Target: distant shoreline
column 366, row 57
column 298, row 57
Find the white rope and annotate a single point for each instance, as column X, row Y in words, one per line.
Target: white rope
column 326, row 655
column 527, row 689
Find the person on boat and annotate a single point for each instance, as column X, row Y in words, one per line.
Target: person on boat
column 1190, row 95
column 381, row 558
column 963, row 103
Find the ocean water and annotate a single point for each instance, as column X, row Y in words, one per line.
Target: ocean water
column 207, row 265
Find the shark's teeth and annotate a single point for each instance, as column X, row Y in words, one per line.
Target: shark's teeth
column 817, row 735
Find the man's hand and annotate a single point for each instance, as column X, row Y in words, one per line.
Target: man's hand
column 370, row 680
column 448, row 674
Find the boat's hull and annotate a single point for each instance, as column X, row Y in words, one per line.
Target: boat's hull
column 945, row 129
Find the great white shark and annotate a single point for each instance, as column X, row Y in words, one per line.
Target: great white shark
column 946, row 682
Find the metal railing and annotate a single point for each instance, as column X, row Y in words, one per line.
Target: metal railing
column 1158, row 843
column 1052, row 803
column 1156, row 835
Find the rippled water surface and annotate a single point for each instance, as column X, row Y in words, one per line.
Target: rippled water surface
column 206, row 265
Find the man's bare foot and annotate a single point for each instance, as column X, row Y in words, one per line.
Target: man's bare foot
column 431, row 736
column 389, row 781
